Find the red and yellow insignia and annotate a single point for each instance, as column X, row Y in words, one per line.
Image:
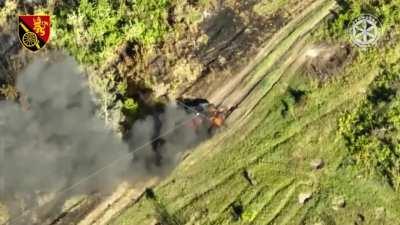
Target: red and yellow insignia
column 34, row 31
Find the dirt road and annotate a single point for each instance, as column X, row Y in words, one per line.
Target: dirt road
column 278, row 54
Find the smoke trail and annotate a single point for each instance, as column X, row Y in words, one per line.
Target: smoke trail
column 58, row 141
column 164, row 153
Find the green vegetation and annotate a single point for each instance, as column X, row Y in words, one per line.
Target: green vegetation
column 372, row 130
column 292, row 98
column 268, row 7
column 98, row 33
column 7, row 11
column 9, row 92
column 161, row 211
column 130, row 109
column 93, row 30
column 388, row 13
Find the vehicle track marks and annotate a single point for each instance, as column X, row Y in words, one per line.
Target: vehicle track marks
column 270, row 195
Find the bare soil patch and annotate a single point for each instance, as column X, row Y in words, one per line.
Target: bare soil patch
column 236, row 33
column 324, row 61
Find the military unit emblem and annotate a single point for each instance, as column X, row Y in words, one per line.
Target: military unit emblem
column 365, row 31
column 34, row 31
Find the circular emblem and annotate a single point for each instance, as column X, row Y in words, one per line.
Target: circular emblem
column 365, row 30
column 30, row 39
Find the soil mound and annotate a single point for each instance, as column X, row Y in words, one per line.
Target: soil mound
column 325, row 61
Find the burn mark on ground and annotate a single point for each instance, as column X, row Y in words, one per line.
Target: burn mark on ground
column 324, row 61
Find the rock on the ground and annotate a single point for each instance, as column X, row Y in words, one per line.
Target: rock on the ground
column 379, row 212
column 317, row 164
column 304, row 197
column 338, row 202
column 360, row 219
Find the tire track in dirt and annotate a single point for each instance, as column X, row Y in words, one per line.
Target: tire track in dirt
column 224, row 208
column 279, row 66
column 269, row 214
column 209, row 189
column 285, row 203
column 265, row 55
column 269, row 56
column 292, row 61
column 223, row 213
column 227, row 96
column 235, row 172
column 283, row 139
column 270, row 196
column 253, row 161
column 119, row 200
column 239, row 116
column 101, row 210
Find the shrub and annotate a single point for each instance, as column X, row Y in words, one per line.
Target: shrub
column 292, row 98
column 130, row 106
column 92, row 30
column 9, row 92
column 372, row 131
column 388, row 12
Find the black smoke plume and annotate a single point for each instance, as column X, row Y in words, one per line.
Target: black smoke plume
column 57, row 143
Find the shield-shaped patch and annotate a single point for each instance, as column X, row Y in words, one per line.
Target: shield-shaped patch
column 34, row 31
